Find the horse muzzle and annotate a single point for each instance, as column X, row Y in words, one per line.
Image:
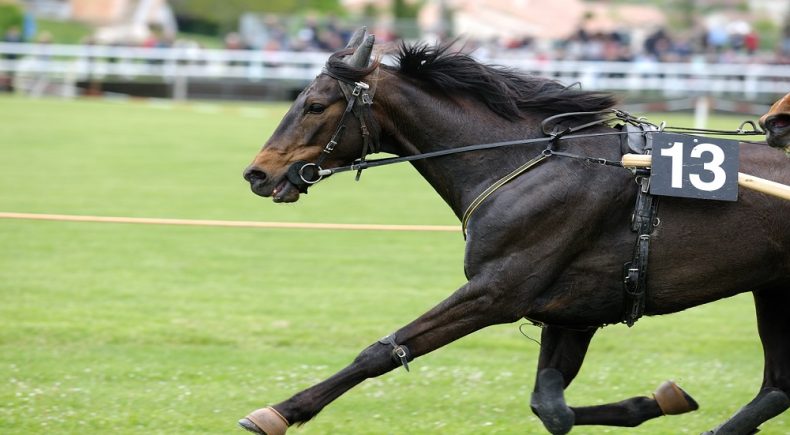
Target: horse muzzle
column 777, row 128
column 285, row 191
column 299, row 177
column 262, row 185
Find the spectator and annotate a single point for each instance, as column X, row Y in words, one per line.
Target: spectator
column 275, row 36
column 233, row 41
column 12, row 35
column 717, row 39
column 784, row 47
column 658, row 45
column 307, row 37
column 751, row 41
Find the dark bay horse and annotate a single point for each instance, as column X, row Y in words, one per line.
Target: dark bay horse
column 548, row 246
column 777, row 124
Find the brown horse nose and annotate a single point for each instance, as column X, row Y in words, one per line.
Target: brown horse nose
column 252, row 174
column 777, row 122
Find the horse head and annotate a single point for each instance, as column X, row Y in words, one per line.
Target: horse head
column 324, row 115
column 777, row 124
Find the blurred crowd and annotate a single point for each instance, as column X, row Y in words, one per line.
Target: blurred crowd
column 737, row 44
column 724, row 44
column 715, row 45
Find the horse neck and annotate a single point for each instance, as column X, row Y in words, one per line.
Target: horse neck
column 415, row 120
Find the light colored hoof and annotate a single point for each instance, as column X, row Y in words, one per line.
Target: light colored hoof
column 673, row 400
column 265, row 421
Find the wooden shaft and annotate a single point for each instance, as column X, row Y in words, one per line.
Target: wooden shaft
column 765, row 186
column 637, row 160
column 744, row 180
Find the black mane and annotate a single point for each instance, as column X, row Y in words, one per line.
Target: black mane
column 505, row 91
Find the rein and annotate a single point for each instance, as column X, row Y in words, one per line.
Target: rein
column 555, row 136
column 361, row 165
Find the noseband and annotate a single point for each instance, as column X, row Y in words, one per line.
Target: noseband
column 359, row 99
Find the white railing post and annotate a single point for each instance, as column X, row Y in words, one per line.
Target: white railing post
column 701, row 111
column 180, row 83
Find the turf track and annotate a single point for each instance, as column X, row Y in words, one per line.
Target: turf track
column 133, row 329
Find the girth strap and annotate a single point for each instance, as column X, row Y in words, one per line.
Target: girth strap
column 643, row 221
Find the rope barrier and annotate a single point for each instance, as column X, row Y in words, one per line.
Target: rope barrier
column 230, row 224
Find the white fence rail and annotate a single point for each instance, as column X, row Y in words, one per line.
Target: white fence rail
column 69, row 64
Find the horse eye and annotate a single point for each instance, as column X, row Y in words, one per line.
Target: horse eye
column 316, row 108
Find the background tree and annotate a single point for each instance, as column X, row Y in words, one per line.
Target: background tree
column 213, row 17
column 11, row 15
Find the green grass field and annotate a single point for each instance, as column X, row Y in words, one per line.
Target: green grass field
column 126, row 329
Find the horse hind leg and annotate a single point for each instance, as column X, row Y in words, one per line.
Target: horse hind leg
column 773, row 324
column 668, row 399
column 769, row 403
column 561, row 356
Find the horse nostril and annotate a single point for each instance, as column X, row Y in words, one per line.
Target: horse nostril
column 777, row 122
column 252, row 174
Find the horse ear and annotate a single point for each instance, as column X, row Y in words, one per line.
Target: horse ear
column 357, row 37
column 361, row 57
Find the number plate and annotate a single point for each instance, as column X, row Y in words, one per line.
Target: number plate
column 694, row 167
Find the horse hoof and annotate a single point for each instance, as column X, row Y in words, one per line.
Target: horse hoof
column 548, row 403
column 265, row 421
column 250, row 426
column 673, row 400
column 557, row 418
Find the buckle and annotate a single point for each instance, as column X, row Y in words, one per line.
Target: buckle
column 358, row 87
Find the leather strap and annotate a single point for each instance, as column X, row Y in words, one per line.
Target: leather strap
column 643, row 221
column 400, row 353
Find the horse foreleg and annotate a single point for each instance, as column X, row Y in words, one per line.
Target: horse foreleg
column 469, row 309
column 561, row 356
column 562, row 352
column 773, row 324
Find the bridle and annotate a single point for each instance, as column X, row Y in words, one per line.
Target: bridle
column 359, row 99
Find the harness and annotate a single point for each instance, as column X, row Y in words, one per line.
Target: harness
column 634, row 138
column 643, row 221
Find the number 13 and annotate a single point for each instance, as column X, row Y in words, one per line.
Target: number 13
column 675, row 152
